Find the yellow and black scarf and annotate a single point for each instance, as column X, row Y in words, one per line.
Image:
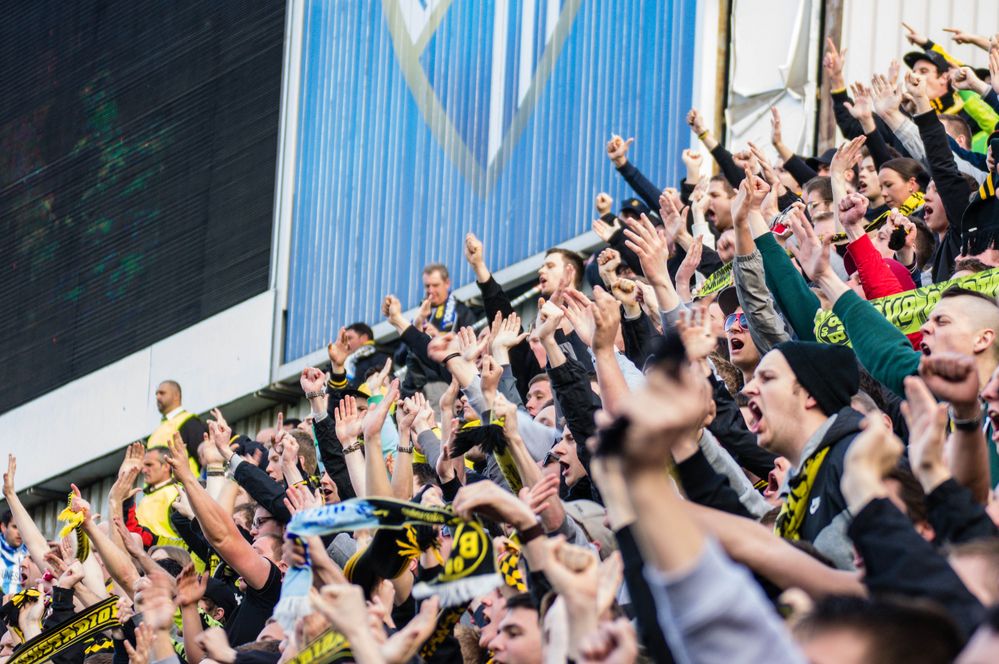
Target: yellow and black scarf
column 792, row 514
column 910, row 205
column 491, row 440
column 330, row 646
column 73, row 522
column 75, row 630
column 469, row 571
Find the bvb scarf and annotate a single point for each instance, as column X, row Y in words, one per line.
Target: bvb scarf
column 907, row 311
column 510, row 570
column 330, row 646
column 469, row 571
column 792, row 514
column 73, row 522
column 909, row 205
column 73, row 631
column 491, row 440
column 11, row 611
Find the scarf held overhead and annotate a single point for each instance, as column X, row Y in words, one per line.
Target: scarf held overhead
column 469, row 571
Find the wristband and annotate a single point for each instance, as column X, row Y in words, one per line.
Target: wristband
column 450, row 357
column 404, row 450
column 531, row 533
column 315, row 395
column 973, row 424
column 354, row 447
column 702, row 135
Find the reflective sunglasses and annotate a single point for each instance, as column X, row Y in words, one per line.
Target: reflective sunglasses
column 732, row 318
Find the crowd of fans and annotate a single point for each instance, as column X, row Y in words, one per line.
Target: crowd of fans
column 683, row 466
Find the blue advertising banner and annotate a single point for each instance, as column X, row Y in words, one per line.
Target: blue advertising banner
column 421, row 120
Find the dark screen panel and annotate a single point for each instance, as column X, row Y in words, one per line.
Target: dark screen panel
column 138, row 145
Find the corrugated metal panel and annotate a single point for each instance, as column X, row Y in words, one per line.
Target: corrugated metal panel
column 484, row 116
column 873, row 33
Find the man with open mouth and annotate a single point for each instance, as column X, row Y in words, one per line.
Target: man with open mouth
column 799, row 408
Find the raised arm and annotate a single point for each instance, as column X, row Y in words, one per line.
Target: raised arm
column 116, row 560
column 348, row 428
column 880, row 346
column 30, row 534
column 953, row 378
column 217, row 525
column 686, row 573
column 376, row 475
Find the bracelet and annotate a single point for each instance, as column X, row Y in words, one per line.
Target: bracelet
column 531, row 533
column 404, row 450
column 353, row 447
column 972, row 424
column 450, row 357
column 702, row 135
column 315, row 395
column 218, row 468
column 215, row 473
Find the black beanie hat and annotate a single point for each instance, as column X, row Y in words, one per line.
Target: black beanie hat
column 828, row 372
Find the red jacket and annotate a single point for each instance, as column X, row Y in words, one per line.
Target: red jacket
column 877, row 277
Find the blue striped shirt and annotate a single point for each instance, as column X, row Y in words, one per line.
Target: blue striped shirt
column 10, row 566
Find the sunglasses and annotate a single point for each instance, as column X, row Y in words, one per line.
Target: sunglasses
column 732, row 318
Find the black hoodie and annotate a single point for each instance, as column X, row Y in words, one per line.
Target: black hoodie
column 826, row 518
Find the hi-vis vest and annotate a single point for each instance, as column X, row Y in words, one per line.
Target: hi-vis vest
column 163, row 434
column 153, row 512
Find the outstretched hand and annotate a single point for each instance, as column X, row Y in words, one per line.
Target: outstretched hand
column 811, row 251
column 871, row 455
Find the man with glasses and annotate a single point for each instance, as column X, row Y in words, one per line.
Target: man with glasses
column 742, row 350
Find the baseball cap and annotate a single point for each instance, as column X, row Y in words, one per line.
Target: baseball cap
column 635, row 206
column 728, row 300
column 912, row 57
column 823, row 159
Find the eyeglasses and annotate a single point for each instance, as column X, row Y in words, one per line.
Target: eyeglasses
column 262, row 521
column 731, row 319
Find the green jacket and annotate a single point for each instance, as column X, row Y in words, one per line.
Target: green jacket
column 791, row 293
column 882, row 349
column 880, row 346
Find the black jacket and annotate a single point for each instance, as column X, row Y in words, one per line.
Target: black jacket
column 825, row 502
column 331, row 453
column 420, row 370
column 955, row 515
column 897, row 561
column 268, row 493
column 952, row 189
column 571, row 388
column 705, row 486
